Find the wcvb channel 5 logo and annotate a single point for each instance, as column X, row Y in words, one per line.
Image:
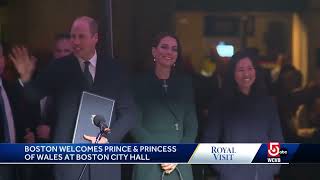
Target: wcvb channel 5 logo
column 274, row 152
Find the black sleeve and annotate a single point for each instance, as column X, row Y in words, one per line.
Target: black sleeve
column 125, row 110
column 44, row 83
column 213, row 130
column 26, row 114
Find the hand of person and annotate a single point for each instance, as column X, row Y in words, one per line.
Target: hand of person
column 92, row 139
column 24, row 63
column 29, row 137
column 168, row 167
column 43, row 131
column 306, row 132
column 106, row 130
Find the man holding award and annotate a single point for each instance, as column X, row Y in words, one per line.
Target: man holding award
column 65, row 80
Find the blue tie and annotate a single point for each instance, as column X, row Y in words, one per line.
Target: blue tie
column 4, row 121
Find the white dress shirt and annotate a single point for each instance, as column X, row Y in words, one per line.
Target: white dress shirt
column 92, row 65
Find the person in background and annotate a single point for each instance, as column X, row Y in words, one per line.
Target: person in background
column 288, row 89
column 7, row 127
column 17, row 120
column 243, row 114
column 166, row 107
column 62, row 46
column 282, row 59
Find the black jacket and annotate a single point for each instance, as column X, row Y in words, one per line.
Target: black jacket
column 25, row 114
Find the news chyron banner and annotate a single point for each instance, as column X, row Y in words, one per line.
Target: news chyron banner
column 203, row 153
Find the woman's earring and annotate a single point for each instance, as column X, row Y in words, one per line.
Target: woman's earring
column 154, row 59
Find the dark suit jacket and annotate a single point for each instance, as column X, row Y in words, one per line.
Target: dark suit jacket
column 64, row 81
column 25, row 114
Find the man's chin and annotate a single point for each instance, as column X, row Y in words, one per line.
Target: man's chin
column 77, row 54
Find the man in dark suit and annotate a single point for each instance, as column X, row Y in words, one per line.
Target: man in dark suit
column 7, row 128
column 17, row 119
column 65, row 79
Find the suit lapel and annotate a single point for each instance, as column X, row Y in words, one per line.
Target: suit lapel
column 77, row 71
column 103, row 77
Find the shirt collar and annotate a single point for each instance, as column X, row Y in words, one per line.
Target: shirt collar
column 93, row 60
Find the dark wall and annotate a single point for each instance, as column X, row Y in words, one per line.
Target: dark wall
column 242, row 5
column 135, row 23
